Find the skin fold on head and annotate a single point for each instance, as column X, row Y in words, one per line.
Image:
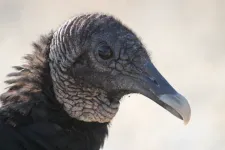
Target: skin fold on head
column 95, row 60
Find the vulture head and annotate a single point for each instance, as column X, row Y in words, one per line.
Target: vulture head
column 95, row 60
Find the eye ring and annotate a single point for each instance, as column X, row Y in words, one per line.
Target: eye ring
column 104, row 52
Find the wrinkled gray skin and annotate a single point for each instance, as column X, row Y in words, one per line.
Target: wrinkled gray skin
column 95, row 60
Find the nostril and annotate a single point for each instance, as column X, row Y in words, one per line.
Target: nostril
column 154, row 81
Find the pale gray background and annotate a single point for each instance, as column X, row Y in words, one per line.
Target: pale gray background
column 187, row 41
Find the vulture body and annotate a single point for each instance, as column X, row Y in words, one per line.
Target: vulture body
column 69, row 90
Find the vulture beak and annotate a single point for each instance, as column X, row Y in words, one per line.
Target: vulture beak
column 160, row 91
column 153, row 85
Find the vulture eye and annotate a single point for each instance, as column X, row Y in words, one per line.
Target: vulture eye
column 105, row 52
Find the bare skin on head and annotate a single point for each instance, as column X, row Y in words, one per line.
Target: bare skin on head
column 95, row 60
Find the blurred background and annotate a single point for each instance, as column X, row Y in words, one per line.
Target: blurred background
column 187, row 42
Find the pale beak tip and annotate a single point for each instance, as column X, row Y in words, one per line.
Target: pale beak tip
column 186, row 122
column 178, row 106
column 187, row 119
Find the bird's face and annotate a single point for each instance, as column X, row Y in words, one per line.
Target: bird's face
column 112, row 63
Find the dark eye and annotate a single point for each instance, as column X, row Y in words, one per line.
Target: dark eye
column 105, row 52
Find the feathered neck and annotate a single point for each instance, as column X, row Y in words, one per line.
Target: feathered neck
column 32, row 77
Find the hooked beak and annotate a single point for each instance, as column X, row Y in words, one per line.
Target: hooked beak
column 177, row 105
column 160, row 91
column 153, row 85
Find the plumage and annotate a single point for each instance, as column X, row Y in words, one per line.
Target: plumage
column 68, row 91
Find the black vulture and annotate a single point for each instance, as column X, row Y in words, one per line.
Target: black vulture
column 68, row 91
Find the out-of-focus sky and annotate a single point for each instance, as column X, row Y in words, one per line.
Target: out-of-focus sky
column 187, row 42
